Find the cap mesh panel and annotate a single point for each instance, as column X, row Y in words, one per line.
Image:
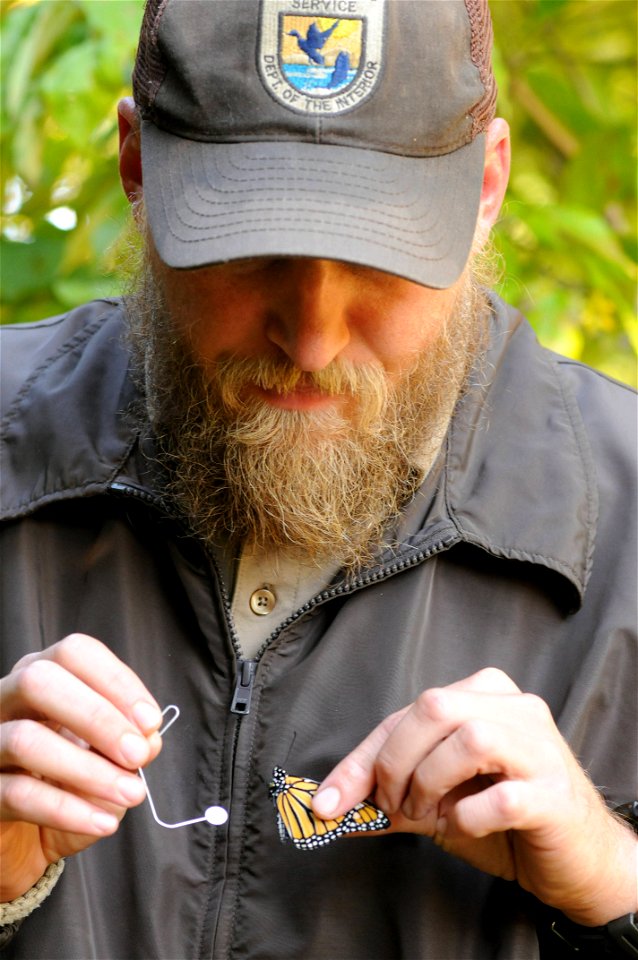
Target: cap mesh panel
column 481, row 52
column 149, row 69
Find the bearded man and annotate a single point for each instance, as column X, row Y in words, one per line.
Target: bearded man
column 317, row 493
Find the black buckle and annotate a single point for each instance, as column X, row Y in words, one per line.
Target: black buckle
column 618, row 938
column 624, row 933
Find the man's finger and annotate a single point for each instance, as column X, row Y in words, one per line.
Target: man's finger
column 33, row 747
column 35, row 801
column 353, row 778
column 97, row 666
column 399, row 744
column 43, row 689
column 488, row 680
column 507, row 805
column 434, row 717
column 386, row 760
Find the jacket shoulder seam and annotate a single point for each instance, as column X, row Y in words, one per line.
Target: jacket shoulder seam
column 29, row 506
column 599, row 374
column 67, row 347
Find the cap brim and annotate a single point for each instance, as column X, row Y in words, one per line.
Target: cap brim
column 209, row 203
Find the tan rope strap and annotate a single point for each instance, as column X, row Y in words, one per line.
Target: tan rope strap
column 22, row 906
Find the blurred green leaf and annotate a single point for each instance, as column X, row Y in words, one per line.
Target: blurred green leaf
column 568, row 232
column 26, row 268
column 65, row 64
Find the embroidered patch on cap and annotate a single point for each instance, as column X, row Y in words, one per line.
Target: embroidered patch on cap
column 321, row 56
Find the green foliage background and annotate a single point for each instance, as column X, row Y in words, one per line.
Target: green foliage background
column 567, row 78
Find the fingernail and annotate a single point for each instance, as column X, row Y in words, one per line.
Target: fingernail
column 146, row 716
column 131, row 789
column 134, row 748
column 326, row 802
column 105, row 822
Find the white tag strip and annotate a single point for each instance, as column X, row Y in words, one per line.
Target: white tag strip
column 216, row 816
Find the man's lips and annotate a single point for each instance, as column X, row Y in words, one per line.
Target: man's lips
column 301, row 397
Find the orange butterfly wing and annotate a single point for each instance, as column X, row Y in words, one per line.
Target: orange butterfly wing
column 296, row 821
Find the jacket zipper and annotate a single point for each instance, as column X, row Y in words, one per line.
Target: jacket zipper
column 243, row 686
column 138, row 493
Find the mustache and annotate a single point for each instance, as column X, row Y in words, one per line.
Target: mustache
column 341, row 377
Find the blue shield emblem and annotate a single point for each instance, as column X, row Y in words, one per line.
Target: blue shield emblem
column 321, row 64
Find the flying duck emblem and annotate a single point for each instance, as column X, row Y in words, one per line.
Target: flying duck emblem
column 314, row 40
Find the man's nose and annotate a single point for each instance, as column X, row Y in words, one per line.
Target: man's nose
column 308, row 318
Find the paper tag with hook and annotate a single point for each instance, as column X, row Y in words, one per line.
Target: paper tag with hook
column 214, row 815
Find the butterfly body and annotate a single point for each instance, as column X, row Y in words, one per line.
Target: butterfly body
column 292, row 797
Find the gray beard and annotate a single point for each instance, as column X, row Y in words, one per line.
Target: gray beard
column 317, row 485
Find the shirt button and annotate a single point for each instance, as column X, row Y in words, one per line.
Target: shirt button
column 262, row 601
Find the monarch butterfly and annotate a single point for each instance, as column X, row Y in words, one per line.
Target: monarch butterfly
column 292, row 797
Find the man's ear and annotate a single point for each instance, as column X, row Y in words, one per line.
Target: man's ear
column 130, row 150
column 495, row 178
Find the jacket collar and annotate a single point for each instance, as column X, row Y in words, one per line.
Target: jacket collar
column 515, row 478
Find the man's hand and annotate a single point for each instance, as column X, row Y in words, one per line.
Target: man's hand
column 482, row 768
column 76, row 724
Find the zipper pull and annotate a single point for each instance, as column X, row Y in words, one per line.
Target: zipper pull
column 243, row 686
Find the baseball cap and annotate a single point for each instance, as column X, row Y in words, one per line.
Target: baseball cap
column 340, row 129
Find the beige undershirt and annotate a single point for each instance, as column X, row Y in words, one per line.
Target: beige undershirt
column 269, row 588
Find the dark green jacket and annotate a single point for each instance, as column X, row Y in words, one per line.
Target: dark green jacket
column 518, row 552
